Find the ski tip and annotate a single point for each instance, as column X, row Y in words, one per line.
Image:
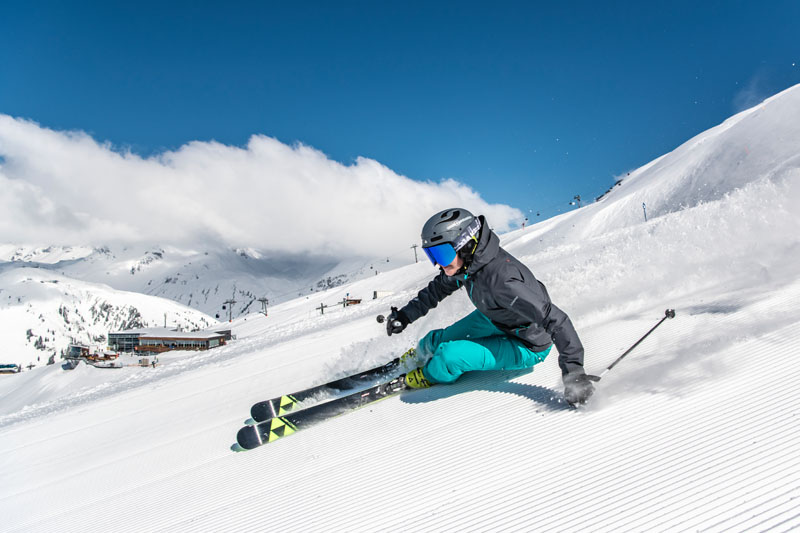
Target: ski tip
column 247, row 438
column 250, row 422
column 236, row 447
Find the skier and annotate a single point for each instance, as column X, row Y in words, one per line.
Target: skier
column 515, row 324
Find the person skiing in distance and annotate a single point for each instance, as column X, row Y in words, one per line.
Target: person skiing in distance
column 514, row 325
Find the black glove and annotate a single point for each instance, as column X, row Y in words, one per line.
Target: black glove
column 396, row 321
column 578, row 388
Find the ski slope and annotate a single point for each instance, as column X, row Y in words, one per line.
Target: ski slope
column 697, row 429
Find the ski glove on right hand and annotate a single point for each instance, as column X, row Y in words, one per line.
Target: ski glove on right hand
column 396, row 322
column 578, row 388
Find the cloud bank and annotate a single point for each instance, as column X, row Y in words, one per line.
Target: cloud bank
column 66, row 188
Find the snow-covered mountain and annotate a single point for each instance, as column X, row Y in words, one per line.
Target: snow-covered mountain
column 203, row 282
column 695, row 430
column 756, row 145
column 41, row 312
column 200, row 279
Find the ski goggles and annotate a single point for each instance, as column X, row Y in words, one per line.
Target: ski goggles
column 441, row 254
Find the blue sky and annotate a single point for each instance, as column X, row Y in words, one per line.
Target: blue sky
column 529, row 103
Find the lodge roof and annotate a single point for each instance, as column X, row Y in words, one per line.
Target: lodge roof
column 169, row 333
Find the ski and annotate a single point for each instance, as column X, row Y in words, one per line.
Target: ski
column 283, row 405
column 250, row 437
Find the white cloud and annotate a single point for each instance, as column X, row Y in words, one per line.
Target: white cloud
column 66, row 188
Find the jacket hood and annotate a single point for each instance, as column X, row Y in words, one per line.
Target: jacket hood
column 488, row 247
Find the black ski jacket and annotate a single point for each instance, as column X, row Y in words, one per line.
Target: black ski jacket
column 507, row 293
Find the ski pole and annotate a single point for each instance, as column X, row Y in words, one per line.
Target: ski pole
column 669, row 313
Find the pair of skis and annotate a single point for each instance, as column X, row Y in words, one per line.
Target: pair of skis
column 280, row 417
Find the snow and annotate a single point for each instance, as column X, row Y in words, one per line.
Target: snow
column 41, row 304
column 202, row 281
column 695, row 430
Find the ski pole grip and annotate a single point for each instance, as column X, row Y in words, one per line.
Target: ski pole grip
column 395, row 323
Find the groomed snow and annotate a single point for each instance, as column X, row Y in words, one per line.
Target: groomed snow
column 696, row 430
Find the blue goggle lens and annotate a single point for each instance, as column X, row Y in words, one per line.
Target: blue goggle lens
column 441, row 254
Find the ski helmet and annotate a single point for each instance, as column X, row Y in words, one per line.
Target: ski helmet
column 454, row 228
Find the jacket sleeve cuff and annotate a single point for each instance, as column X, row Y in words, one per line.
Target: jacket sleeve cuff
column 401, row 316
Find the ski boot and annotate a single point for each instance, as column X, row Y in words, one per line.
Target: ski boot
column 417, row 380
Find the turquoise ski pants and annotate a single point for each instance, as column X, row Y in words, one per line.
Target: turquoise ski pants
column 473, row 343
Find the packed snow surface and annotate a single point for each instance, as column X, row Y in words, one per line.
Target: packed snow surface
column 696, row 430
